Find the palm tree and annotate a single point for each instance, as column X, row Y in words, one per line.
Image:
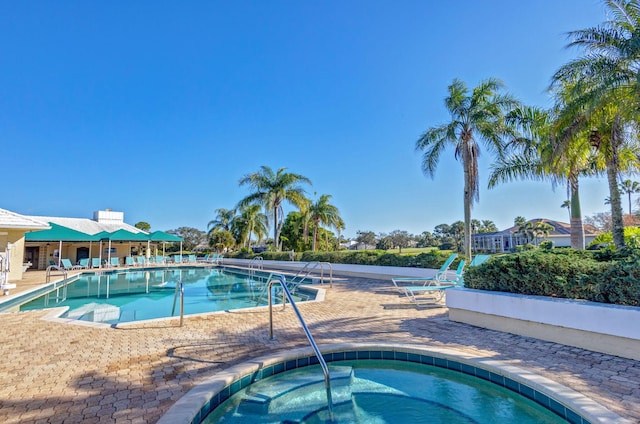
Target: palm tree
column 323, row 213
column 567, row 204
column 271, row 189
column 534, row 158
column 607, row 83
column 475, row 115
column 630, row 187
column 541, row 229
column 222, row 221
column 251, row 221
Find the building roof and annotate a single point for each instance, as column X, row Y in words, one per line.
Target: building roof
column 88, row 226
column 559, row 229
column 13, row 220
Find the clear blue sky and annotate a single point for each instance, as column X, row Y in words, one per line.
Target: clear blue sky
column 158, row 108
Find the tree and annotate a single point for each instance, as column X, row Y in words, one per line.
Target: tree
column 271, row 190
column 607, row 87
column 541, row 229
column 399, row 239
column 250, row 221
column 567, row 204
column 221, row 240
column 519, row 221
column 322, row 212
column 222, row 221
column 526, row 230
column 488, row 226
column 192, row 237
column 368, row 238
column 536, row 156
column 426, row 239
column 458, row 233
column 479, row 115
column 629, row 187
column 142, row 225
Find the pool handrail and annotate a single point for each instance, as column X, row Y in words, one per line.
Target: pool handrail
column 279, row 278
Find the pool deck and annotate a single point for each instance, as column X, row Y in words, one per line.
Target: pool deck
column 54, row 373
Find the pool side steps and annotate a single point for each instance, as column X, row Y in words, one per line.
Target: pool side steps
column 266, row 397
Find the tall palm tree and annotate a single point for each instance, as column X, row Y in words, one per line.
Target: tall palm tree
column 222, row 221
column 250, row 221
column 607, row 80
column 271, row 190
column 323, row 213
column 476, row 115
column 629, row 187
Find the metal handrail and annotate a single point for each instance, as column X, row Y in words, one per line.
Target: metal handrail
column 308, row 267
column 279, row 278
column 256, row 263
column 180, row 291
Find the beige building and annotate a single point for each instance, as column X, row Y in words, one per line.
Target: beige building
column 13, row 227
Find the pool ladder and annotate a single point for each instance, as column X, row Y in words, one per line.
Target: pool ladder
column 57, row 271
column 306, row 271
column 279, row 278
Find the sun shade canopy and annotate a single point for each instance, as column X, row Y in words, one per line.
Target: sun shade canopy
column 162, row 236
column 59, row 233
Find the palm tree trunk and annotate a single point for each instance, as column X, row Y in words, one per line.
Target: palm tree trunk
column 275, row 227
column 617, row 224
column 468, row 199
column 577, row 227
column 315, row 235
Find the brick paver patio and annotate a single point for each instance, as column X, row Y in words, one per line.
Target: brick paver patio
column 54, row 373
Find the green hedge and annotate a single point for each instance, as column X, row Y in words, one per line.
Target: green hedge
column 562, row 273
column 433, row 259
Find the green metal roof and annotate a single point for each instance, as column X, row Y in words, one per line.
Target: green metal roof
column 162, row 236
column 58, row 233
column 124, row 235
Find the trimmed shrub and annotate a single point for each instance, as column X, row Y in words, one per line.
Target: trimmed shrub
column 565, row 273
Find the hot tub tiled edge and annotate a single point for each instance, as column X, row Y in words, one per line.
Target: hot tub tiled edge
column 577, row 408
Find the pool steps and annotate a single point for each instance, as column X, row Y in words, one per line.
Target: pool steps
column 284, row 394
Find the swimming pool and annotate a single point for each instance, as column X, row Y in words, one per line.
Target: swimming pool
column 383, row 384
column 133, row 295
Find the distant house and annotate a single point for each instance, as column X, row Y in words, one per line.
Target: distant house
column 507, row 240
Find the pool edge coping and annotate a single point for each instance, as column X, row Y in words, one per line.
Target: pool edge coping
column 187, row 408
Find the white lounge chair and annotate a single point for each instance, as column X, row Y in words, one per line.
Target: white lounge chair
column 431, row 294
column 414, row 281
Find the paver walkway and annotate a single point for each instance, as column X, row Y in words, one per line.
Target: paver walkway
column 55, row 373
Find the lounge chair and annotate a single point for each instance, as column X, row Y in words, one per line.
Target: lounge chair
column 115, row 261
column 192, row 259
column 95, row 263
column 66, row 264
column 414, row 281
column 159, row 260
column 204, row 259
column 84, row 262
column 433, row 293
column 176, row 259
column 140, row 260
column 479, row 260
column 129, row 261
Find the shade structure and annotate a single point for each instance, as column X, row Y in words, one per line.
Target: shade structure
column 59, row 233
column 124, row 235
column 162, row 236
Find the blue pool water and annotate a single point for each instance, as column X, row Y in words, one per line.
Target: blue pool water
column 133, row 295
column 377, row 392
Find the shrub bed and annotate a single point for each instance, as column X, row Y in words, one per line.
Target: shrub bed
column 432, row 259
column 563, row 273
